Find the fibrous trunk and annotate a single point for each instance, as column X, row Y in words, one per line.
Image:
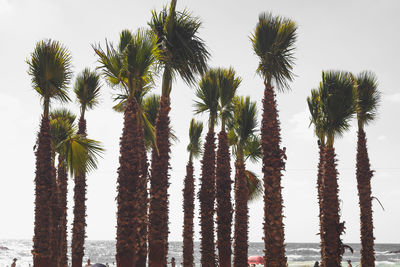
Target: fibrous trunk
column 273, row 163
column 240, row 248
column 79, row 210
column 55, row 214
column 320, row 195
column 43, row 176
column 223, row 197
column 330, row 205
column 188, row 213
column 364, row 175
column 62, row 190
column 158, row 214
column 207, row 197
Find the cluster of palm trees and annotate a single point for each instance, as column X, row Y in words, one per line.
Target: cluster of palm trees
column 339, row 97
column 172, row 46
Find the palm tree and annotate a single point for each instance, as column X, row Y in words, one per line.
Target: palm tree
column 194, row 149
column 337, row 105
column 368, row 98
column 208, row 101
column 227, row 85
column 129, row 68
column 182, row 52
column 50, row 71
column 87, row 91
column 273, row 42
column 77, row 154
column 314, row 106
column 242, row 132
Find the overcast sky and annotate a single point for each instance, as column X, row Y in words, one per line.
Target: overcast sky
column 346, row 35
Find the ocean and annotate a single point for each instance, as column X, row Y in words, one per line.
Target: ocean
column 299, row 254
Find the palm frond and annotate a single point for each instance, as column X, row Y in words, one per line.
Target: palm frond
column 252, row 149
column 316, row 115
column 87, row 88
column 194, row 146
column 368, row 97
column 273, row 42
column 254, row 186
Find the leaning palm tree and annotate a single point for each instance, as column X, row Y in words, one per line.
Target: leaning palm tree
column 208, row 99
column 87, row 91
column 242, row 132
column 182, row 53
column 50, row 71
column 194, row 149
column 314, row 106
column 367, row 103
column 337, row 105
column 228, row 84
column 129, row 68
column 273, row 42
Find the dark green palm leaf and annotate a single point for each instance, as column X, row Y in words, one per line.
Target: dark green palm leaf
column 194, row 146
column 208, row 96
column 254, row 185
column 87, row 88
column 368, row 97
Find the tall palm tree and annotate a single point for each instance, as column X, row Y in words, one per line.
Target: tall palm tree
column 242, row 132
column 77, row 154
column 273, row 42
column 227, row 83
column 182, row 52
column 50, row 71
column 368, row 98
column 208, row 100
column 129, row 68
column 315, row 108
column 87, row 91
column 337, row 105
column 194, row 149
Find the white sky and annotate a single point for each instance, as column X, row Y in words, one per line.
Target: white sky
column 349, row 35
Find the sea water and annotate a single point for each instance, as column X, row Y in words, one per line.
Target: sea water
column 299, row 254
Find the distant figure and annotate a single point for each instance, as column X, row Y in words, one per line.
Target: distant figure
column 88, row 263
column 316, row 264
column 173, row 262
column 349, row 263
column 14, row 264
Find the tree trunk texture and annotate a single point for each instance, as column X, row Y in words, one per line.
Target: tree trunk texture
column 62, row 190
column 364, row 175
column 330, row 205
column 240, row 247
column 188, row 213
column 158, row 215
column 79, row 210
column 55, row 214
column 320, row 195
column 206, row 198
column 224, row 204
column 43, row 176
column 273, row 163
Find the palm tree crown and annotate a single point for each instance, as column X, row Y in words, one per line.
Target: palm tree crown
column 368, row 98
column 273, row 42
column 194, row 146
column 87, row 89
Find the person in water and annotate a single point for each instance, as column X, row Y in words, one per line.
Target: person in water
column 88, row 263
column 349, row 263
column 14, row 264
column 173, row 262
column 316, row 264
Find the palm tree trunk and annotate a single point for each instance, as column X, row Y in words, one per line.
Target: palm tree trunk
column 188, row 211
column 330, row 205
column 274, row 236
column 129, row 215
column 364, row 175
column 207, row 197
column 62, row 190
column 320, row 195
column 54, row 217
column 158, row 215
column 240, row 247
column 43, row 176
column 224, row 204
column 79, row 223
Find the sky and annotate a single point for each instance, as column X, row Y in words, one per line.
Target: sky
column 353, row 35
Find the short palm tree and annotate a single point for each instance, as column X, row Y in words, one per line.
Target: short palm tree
column 367, row 102
column 194, row 149
column 227, row 83
column 273, row 42
column 315, row 108
column 87, row 91
column 50, row 71
column 242, row 132
column 337, row 104
column 130, row 69
column 207, row 94
column 182, row 53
